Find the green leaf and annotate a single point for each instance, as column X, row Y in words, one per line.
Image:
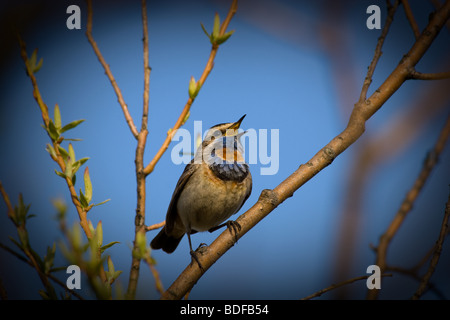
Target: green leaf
column 51, row 151
column 87, row 185
column 63, row 153
column 103, row 202
column 71, row 125
column 62, row 175
column 37, row 67
column 206, row 32
column 23, row 237
column 57, row 116
column 49, row 258
column 77, row 164
column 224, row 38
column 83, row 200
column 68, row 171
column 71, row 154
column 99, row 233
column 52, row 131
column 32, row 60
column 109, row 245
column 216, row 27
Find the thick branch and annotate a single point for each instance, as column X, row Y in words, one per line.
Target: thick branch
column 270, row 199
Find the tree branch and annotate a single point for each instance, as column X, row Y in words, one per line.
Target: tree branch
column 108, row 72
column 428, row 76
column 437, row 252
column 378, row 52
column 408, row 202
column 340, row 284
column 411, row 19
column 270, row 199
column 182, row 118
column 139, row 220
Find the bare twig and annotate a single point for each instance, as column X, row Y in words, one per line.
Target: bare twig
column 181, row 119
column 437, row 252
column 407, row 203
column 155, row 226
column 108, row 72
column 410, row 16
column 340, row 284
column 378, row 52
column 270, row 199
column 428, row 76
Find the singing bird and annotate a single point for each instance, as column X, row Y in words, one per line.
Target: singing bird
column 212, row 187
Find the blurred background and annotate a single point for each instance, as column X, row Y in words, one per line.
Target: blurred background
column 293, row 66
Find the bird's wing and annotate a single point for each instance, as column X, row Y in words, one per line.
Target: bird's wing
column 172, row 213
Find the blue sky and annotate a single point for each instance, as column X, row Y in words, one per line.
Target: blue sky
column 275, row 68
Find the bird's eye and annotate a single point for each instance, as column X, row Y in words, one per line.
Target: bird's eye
column 213, row 138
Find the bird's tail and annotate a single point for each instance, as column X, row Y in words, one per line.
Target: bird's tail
column 165, row 242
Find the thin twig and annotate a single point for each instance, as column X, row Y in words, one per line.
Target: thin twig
column 340, row 284
column 155, row 226
column 108, row 72
column 147, row 68
column 52, row 277
column 415, row 75
column 410, row 16
column 378, row 52
column 181, row 119
column 409, row 200
column 437, row 253
column 270, row 199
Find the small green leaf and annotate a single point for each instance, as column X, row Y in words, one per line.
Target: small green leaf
column 216, row 27
column 109, row 245
column 206, row 32
column 38, row 66
column 83, row 200
column 99, row 233
column 52, row 131
column 62, row 175
column 71, row 154
column 63, row 153
column 49, row 258
column 87, row 185
column 103, row 202
column 57, row 116
column 68, row 171
column 77, row 164
column 32, row 60
column 224, row 38
column 51, row 151
column 71, row 125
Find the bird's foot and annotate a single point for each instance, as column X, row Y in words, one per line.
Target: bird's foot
column 195, row 258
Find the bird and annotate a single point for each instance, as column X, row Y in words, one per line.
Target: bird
column 213, row 187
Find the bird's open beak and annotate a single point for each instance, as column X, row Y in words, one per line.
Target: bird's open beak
column 232, row 130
